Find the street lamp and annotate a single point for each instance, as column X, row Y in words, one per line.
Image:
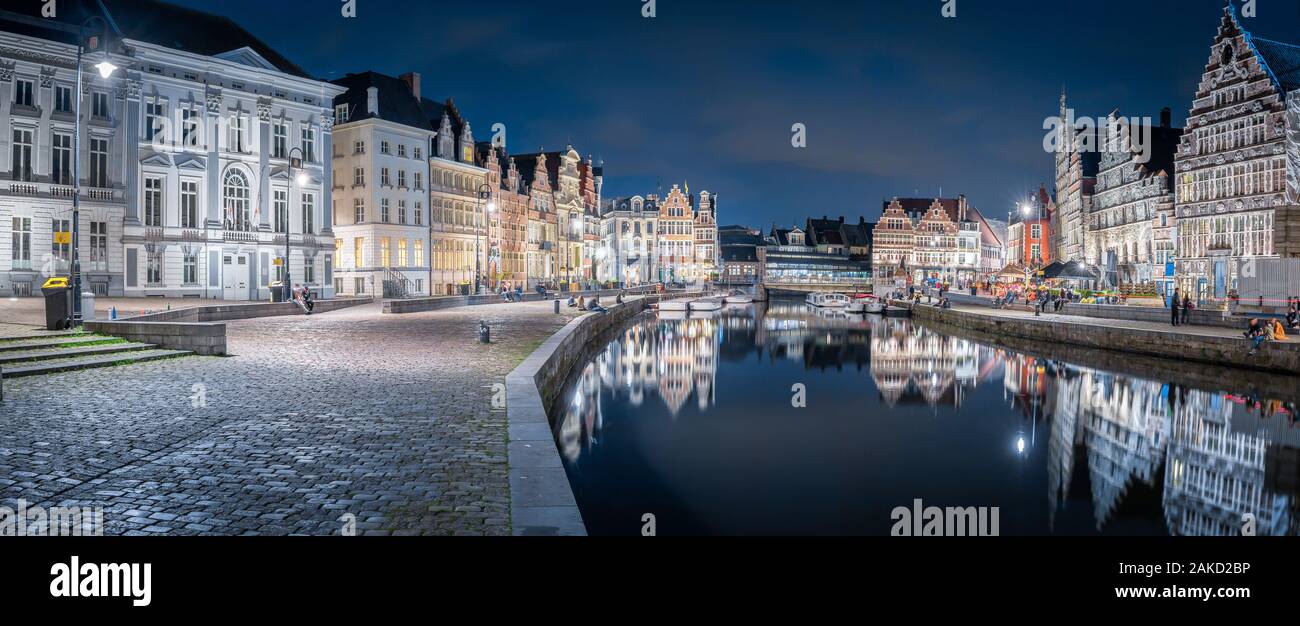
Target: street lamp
column 106, row 69
column 301, row 179
column 487, row 205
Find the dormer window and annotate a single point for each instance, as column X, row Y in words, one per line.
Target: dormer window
column 341, row 114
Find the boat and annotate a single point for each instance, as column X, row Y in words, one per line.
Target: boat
column 739, row 297
column 872, row 304
column 855, row 307
column 827, row 300
column 710, row 303
column 680, row 304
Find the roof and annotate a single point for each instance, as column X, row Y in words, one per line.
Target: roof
column 739, row 238
column 1282, row 61
column 396, row 101
column 739, row 254
column 153, row 22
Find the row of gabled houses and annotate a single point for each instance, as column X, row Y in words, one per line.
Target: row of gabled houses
column 211, row 163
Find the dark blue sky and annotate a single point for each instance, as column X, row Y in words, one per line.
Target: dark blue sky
column 897, row 100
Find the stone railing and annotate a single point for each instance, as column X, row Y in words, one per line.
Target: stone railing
column 206, row 339
column 438, row 303
column 225, row 312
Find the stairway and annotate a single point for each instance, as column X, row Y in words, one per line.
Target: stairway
column 396, row 285
column 37, row 355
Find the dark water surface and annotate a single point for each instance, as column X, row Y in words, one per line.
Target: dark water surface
column 694, row 421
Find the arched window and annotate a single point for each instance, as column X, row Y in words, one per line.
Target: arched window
column 1226, row 57
column 236, row 201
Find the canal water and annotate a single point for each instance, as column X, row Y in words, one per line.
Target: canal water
column 779, row 419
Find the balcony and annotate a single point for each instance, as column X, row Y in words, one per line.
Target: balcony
column 239, row 236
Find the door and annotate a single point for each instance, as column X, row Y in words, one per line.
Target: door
column 234, row 276
column 1220, row 279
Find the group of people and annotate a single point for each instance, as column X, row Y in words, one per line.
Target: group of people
column 1259, row 332
column 511, row 292
column 302, row 296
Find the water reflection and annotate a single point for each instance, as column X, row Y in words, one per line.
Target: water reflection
column 675, row 416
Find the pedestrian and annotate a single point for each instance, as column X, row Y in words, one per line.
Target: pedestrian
column 1173, row 306
column 1187, row 309
column 1258, row 334
column 1293, row 314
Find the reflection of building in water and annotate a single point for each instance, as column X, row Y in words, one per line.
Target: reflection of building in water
column 912, row 363
column 1126, row 427
column 1216, row 474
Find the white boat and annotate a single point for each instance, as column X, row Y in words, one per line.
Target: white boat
column 872, row 304
column 711, row 303
column 827, row 300
column 856, row 307
column 681, row 304
column 739, row 297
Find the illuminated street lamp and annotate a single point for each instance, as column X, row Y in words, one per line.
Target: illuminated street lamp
column 106, row 69
column 489, row 206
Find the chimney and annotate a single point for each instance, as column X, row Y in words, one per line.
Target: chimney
column 412, row 80
column 372, row 101
column 1166, row 117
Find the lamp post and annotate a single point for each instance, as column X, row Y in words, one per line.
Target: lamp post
column 106, row 69
column 485, row 202
column 294, row 162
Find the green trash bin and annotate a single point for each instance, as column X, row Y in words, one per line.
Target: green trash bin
column 58, row 303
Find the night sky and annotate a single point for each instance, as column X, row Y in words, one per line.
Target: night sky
column 897, row 100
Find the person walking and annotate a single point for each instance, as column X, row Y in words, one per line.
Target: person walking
column 1173, row 306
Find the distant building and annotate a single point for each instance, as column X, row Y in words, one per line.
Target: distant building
column 1134, row 199
column 744, row 251
column 1030, row 234
column 939, row 239
column 795, row 260
column 1077, row 162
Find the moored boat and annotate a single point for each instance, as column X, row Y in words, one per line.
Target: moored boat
column 680, row 304
column 828, row 300
column 711, row 303
column 739, row 297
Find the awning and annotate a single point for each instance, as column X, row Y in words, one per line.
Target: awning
column 1015, row 270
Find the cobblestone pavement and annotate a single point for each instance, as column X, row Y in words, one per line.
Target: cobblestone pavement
column 387, row 418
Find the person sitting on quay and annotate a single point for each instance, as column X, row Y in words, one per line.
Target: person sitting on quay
column 1258, row 334
column 1293, row 314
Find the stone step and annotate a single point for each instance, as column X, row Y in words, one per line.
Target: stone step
column 63, row 352
column 67, row 365
column 48, row 342
column 51, row 334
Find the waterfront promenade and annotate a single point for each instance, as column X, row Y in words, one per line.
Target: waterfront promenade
column 386, row 418
column 1202, row 344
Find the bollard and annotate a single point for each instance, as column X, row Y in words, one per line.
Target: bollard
column 484, row 333
column 557, row 306
column 112, row 313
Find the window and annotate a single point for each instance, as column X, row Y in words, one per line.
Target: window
column 22, row 243
column 99, row 246
column 358, row 252
column 63, row 98
column 401, row 211
column 308, row 213
column 401, row 150
column 383, row 178
column 341, row 114
column 280, row 144
column 154, row 268
column 401, row 179
column 154, row 116
column 23, row 92
column 61, row 159
column 383, row 210
column 280, row 206
column 383, row 147
column 359, row 177
column 418, row 258
column 359, row 284
column 358, row 147
column 98, row 161
column 99, row 104
column 190, row 127
column 419, row 181
column 417, row 152
column 309, row 145
column 419, row 213
column 308, row 272
column 153, row 201
column 236, row 196
column 237, row 133
column 190, row 269
column 22, row 163
column 384, row 259
column 61, row 252
column 359, row 210
column 189, row 204
column 401, row 253
column 1036, row 231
